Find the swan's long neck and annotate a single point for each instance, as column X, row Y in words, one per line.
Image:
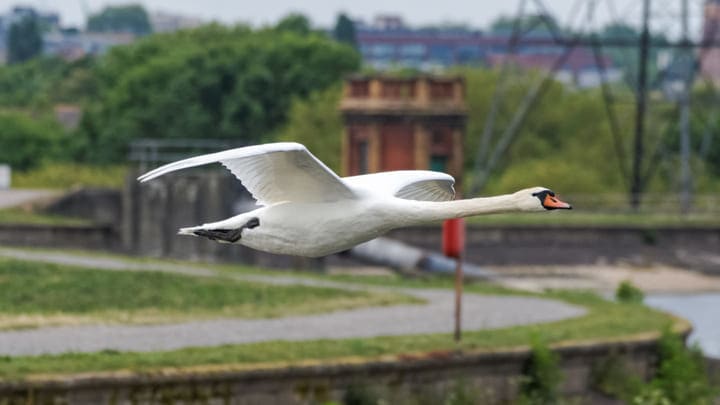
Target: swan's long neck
column 428, row 211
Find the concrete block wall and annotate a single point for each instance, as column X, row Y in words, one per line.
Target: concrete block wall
column 493, row 376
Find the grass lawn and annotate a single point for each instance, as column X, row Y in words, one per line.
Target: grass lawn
column 35, row 294
column 69, row 175
column 21, row 216
column 605, row 319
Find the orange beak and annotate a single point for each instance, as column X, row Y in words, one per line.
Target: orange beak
column 554, row 203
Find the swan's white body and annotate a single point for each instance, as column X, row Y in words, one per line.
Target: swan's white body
column 307, row 210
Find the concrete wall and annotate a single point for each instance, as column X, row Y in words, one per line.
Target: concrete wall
column 493, row 376
column 697, row 248
column 99, row 205
column 154, row 211
column 100, row 237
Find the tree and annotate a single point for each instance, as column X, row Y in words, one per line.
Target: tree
column 213, row 82
column 43, row 81
column 24, row 40
column 130, row 18
column 316, row 123
column 25, row 141
column 294, row 22
column 345, row 30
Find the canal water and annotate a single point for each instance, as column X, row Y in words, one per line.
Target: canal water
column 702, row 310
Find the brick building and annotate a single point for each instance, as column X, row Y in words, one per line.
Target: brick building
column 403, row 123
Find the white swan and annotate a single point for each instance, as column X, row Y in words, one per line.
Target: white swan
column 307, row 210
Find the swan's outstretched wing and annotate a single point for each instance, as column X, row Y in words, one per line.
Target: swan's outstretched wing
column 422, row 185
column 272, row 173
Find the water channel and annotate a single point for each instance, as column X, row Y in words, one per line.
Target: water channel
column 702, row 310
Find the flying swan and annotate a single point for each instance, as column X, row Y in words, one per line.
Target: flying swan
column 308, row 210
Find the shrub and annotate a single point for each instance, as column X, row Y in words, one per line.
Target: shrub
column 26, row 141
column 541, row 376
column 681, row 377
column 628, row 293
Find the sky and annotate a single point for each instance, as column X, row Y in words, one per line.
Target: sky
column 477, row 13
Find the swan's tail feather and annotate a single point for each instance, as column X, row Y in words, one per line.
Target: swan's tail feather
column 189, row 231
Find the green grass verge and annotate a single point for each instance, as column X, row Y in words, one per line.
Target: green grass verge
column 37, row 294
column 69, row 175
column 19, row 216
column 605, row 319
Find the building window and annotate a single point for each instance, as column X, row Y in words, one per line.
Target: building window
column 412, row 51
column 441, row 90
column 438, row 163
column 468, row 54
column 360, row 88
column 442, row 54
column 382, row 51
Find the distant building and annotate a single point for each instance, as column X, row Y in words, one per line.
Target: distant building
column 580, row 68
column 168, row 22
column 74, row 45
column 388, row 42
column 48, row 21
column 403, row 123
column 710, row 56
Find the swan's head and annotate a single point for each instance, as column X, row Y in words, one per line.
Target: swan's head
column 539, row 199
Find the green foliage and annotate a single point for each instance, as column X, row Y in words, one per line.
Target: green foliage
column 25, row 141
column 565, row 144
column 541, row 376
column 212, row 82
column 463, row 393
column 316, row 123
column 294, row 22
column 43, row 81
column 128, row 18
column 24, row 40
column 681, row 377
column 360, row 394
column 611, row 376
column 628, row 293
column 344, row 30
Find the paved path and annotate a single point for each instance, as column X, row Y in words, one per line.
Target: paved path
column 479, row 312
column 14, row 197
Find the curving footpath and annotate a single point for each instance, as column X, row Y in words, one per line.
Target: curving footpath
column 479, row 312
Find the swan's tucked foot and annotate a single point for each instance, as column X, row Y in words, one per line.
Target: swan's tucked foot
column 222, row 235
column 225, row 235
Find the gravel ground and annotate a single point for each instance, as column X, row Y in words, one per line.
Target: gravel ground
column 653, row 279
column 12, row 198
column 479, row 312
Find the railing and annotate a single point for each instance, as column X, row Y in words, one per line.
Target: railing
column 153, row 152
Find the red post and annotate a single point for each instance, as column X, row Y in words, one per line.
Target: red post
column 454, row 246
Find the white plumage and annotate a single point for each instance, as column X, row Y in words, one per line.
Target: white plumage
column 307, row 210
